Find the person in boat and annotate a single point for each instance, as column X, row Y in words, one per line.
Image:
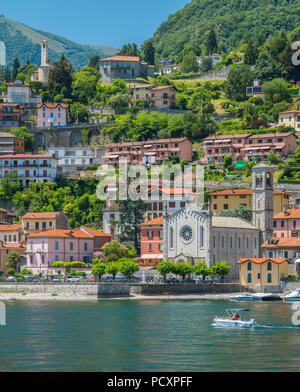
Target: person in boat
column 237, row 316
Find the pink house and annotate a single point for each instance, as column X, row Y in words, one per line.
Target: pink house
column 52, row 115
column 44, row 248
column 287, row 224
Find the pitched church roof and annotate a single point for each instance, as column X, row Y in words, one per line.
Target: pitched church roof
column 230, row 222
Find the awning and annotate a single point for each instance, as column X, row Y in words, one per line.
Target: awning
column 114, row 156
column 265, row 148
column 147, row 145
column 150, row 153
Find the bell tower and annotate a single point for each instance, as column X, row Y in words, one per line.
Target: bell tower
column 263, row 194
column 44, row 53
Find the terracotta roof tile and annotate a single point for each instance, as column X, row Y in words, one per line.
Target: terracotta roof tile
column 122, row 58
column 96, row 233
column 290, row 214
column 62, row 234
column 154, row 222
column 41, row 215
column 10, row 227
column 293, row 242
column 262, row 260
column 240, row 192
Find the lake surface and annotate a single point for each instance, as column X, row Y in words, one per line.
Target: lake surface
column 146, row 335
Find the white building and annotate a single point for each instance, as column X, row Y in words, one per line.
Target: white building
column 73, row 159
column 19, row 92
column 28, row 168
column 216, row 58
column 290, row 118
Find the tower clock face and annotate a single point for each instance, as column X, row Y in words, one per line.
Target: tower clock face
column 186, row 233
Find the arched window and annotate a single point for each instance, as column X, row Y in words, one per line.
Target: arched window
column 269, row 278
column 249, row 266
column 269, row 266
column 249, row 278
column 201, row 237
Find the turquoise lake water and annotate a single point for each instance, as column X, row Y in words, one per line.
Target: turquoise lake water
column 145, row 335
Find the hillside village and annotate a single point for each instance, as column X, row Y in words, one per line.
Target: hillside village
column 235, row 114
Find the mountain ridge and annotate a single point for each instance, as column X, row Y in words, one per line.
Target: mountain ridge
column 231, row 19
column 23, row 42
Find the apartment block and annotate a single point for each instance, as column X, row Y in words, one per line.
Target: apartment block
column 27, row 168
column 247, row 146
column 149, row 152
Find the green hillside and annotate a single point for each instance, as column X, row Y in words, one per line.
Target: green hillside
column 24, row 42
column 231, row 19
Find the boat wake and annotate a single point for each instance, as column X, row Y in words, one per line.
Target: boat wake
column 256, row 326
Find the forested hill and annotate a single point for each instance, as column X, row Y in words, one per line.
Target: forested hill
column 231, row 19
column 24, row 42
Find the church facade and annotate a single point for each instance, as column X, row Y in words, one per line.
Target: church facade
column 195, row 235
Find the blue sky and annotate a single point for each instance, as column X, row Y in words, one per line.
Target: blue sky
column 95, row 22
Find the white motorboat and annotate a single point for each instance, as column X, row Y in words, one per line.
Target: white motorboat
column 245, row 297
column 269, row 296
column 233, row 319
column 293, row 296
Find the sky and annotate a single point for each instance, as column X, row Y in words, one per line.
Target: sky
column 94, row 22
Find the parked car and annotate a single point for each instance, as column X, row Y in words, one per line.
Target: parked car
column 11, row 279
column 93, row 279
column 58, row 279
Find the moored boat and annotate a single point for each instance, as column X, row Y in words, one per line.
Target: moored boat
column 293, row 296
column 245, row 297
column 233, row 319
column 269, row 297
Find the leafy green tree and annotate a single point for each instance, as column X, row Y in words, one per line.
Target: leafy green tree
column 222, row 269
column 94, row 62
column 11, row 272
column 239, row 212
column 206, row 64
column 114, row 251
column 211, row 45
column 79, row 113
column 182, row 269
column 12, row 260
column 128, row 267
column 131, row 214
column 23, row 133
column 129, row 50
column 149, row 52
column 60, row 78
column 112, row 268
column 276, row 90
column 84, row 84
column 15, row 70
column 98, row 269
column 251, row 53
column 268, row 68
column 26, row 272
column 189, row 63
column 237, row 81
column 227, row 163
column 165, row 268
column 201, row 269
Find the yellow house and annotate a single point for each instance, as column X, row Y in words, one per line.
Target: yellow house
column 34, row 222
column 263, row 272
column 229, row 199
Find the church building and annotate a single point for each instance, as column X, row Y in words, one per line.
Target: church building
column 195, row 235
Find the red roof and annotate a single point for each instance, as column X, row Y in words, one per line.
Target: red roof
column 96, row 233
column 261, row 261
column 289, row 111
column 52, row 105
column 24, row 156
column 154, row 222
column 122, row 58
column 10, row 227
column 62, row 234
column 289, row 214
column 41, row 215
column 292, row 242
column 241, row 192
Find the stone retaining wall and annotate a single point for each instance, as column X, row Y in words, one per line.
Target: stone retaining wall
column 64, row 289
column 184, row 288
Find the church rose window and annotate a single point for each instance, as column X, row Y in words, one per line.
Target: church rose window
column 186, row 233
